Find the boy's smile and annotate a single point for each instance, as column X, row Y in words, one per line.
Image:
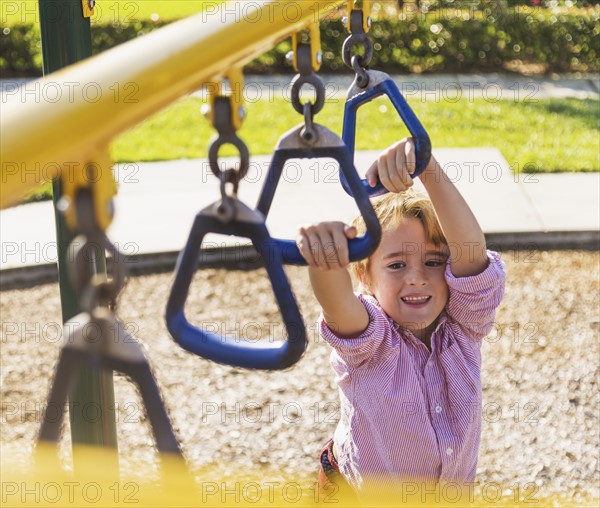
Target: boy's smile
column 406, row 275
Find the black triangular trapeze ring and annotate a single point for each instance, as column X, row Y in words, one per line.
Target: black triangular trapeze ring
column 120, row 353
column 267, row 354
column 328, row 145
column 380, row 83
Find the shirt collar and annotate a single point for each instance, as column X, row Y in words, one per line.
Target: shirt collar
column 411, row 339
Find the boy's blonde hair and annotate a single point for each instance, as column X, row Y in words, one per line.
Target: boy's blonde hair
column 392, row 209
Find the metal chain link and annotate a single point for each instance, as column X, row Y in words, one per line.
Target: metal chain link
column 307, row 76
column 226, row 135
column 358, row 37
column 94, row 290
column 226, row 119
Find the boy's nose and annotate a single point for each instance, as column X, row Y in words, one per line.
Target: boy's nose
column 416, row 277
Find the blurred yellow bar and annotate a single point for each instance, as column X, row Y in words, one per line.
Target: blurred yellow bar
column 94, row 484
column 66, row 117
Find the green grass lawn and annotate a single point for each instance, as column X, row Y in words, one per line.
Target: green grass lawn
column 125, row 11
column 545, row 136
column 551, row 135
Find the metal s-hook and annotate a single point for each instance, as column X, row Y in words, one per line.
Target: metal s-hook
column 307, row 60
column 358, row 24
column 225, row 115
column 226, row 135
column 87, row 247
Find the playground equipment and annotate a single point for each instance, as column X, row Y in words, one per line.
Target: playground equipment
column 37, row 137
column 97, row 339
column 66, row 40
column 312, row 141
column 42, row 141
column 231, row 216
column 36, row 144
column 368, row 85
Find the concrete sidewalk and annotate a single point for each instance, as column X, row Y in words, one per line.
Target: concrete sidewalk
column 154, row 214
column 450, row 87
column 443, row 87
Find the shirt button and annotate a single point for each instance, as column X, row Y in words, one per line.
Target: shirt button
column 438, row 409
column 449, row 451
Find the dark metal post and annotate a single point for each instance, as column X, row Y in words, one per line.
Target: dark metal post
column 66, row 39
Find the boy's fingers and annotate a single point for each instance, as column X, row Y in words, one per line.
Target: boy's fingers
column 325, row 245
column 391, row 181
column 411, row 156
column 400, row 157
column 350, row 232
column 371, row 174
column 314, row 247
column 328, row 252
column 394, row 167
column 316, row 251
column 401, row 163
column 396, row 171
column 303, row 243
column 384, row 175
column 341, row 247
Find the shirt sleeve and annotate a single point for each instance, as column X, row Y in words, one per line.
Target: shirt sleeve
column 473, row 300
column 368, row 345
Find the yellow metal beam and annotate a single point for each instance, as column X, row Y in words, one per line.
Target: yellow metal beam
column 65, row 118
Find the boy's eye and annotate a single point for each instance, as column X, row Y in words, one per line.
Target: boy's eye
column 434, row 263
column 397, row 265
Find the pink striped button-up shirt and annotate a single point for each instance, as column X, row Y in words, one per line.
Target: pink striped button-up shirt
column 406, row 412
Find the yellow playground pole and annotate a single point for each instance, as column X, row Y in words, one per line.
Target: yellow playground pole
column 66, row 118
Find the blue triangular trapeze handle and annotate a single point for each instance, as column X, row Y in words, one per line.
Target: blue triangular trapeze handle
column 265, row 354
column 331, row 146
column 381, row 84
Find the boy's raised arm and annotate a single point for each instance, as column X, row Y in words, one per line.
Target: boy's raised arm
column 325, row 248
column 468, row 255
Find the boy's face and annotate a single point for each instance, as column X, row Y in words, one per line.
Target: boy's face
column 406, row 275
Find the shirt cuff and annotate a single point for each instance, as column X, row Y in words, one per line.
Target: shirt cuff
column 367, row 341
column 491, row 276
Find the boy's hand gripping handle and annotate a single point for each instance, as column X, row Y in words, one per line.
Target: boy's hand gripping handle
column 226, row 350
column 380, row 83
column 327, row 144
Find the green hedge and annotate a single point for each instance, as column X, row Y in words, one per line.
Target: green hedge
column 21, row 49
column 446, row 41
column 439, row 41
